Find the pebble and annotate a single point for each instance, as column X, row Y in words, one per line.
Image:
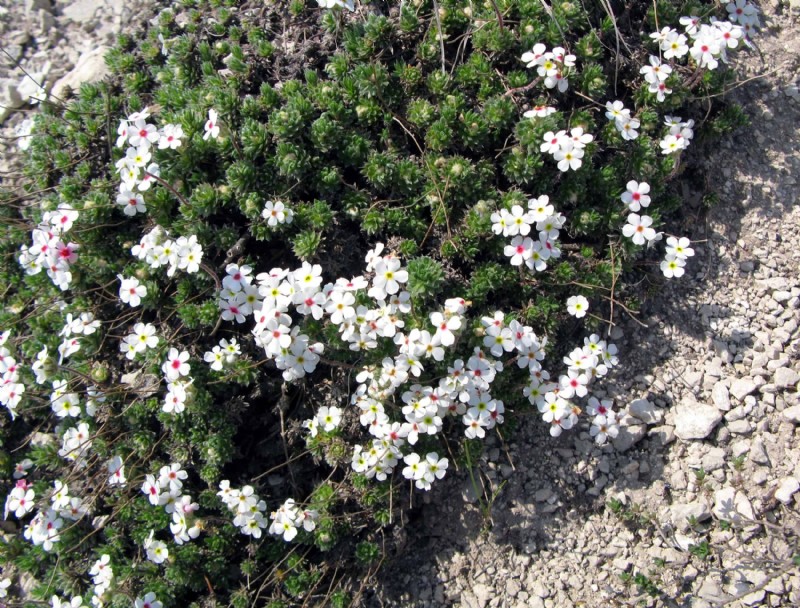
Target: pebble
column 694, row 420
column 742, row 387
column 740, row 427
column 787, row 487
column 681, row 514
column 629, row 436
column 786, row 378
column 646, row 411
column 91, row 67
column 732, row 505
column 758, row 452
column 714, row 459
column 721, row 397
column 792, row 414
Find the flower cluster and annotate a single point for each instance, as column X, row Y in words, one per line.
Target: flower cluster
column 11, row 389
column 567, row 149
column 327, row 419
column 709, row 41
column 102, row 575
column 248, row 508
column 76, row 444
column 679, row 134
column 269, row 301
column 424, row 472
column 678, row 251
column 224, row 353
column 745, row 14
column 179, row 383
column 289, row 517
column 135, row 169
column 554, row 66
column 518, row 222
column 44, row 529
column 49, row 250
column 625, row 124
column 656, row 74
column 605, row 421
column 167, row 491
column 139, row 340
column 157, row 249
column 584, row 364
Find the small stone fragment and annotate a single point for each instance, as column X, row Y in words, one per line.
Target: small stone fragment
column 681, row 514
column 792, row 414
column 645, row 411
column 786, row 378
column 733, row 506
column 721, row 397
column 694, row 420
column 786, row 489
column 629, row 436
column 742, row 387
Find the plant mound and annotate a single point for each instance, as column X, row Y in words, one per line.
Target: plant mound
column 290, row 263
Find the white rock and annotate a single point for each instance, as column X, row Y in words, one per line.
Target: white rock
column 9, row 98
column 629, row 436
column 91, row 67
column 646, row 411
column 786, row 378
column 792, row 414
column 721, row 397
column 743, row 387
column 733, row 506
column 32, row 6
column 81, row 11
column 786, row 489
column 680, row 514
column 694, row 420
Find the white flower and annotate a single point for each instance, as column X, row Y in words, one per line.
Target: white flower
column 277, row 213
column 156, row 550
column 577, row 306
column 211, row 126
column 680, row 248
column 170, row 137
column 638, row 228
column 348, row 4
column 176, row 364
column 672, row 266
column 131, row 291
column 116, row 471
column 328, row 418
column 636, row 195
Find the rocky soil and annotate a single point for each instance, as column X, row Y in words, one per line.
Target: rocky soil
column 710, row 383
column 56, row 44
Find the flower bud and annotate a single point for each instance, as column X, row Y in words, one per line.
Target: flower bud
column 99, row 372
